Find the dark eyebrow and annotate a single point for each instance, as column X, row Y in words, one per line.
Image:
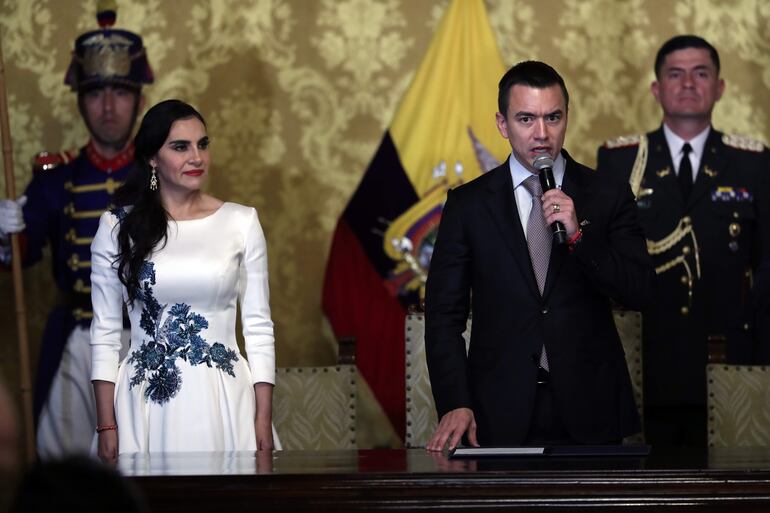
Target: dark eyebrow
column 696, row 68
column 532, row 115
column 175, row 142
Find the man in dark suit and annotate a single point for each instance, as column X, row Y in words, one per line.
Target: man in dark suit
column 703, row 200
column 545, row 364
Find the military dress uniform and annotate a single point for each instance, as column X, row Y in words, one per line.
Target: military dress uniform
column 65, row 199
column 706, row 250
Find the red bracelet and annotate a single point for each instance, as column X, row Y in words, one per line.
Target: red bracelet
column 107, row 427
column 575, row 237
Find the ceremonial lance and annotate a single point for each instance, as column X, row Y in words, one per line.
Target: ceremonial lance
column 18, row 283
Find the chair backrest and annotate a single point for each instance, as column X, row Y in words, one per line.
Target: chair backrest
column 738, row 400
column 421, row 417
column 314, row 408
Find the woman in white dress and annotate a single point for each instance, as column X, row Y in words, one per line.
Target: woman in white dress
column 181, row 261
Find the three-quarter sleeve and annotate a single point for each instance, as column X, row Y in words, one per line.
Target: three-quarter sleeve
column 254, row 295
column 107, row 299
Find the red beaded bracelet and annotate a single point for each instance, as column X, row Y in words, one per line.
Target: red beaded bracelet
column 575, row 237
column 108, row 427
column 572, row 242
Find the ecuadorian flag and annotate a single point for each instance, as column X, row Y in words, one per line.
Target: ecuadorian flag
column 443, row 134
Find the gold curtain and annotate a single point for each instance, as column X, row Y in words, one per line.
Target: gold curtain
column 297, row 94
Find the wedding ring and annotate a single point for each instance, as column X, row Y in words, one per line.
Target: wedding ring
column 556, row 207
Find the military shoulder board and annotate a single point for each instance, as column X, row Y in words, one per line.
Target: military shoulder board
column 743, row 142
column 45, row 161
column 622, row 141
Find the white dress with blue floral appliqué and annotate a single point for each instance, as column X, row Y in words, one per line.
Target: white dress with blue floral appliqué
column 184, row 385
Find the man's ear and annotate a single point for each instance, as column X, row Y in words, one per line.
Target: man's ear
column 655, row 89
column 502, row 125
column 720, row 88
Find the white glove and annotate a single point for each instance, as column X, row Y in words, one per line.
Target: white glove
column 11, row 216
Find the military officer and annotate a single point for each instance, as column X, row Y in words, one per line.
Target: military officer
column 61, row 208
column 702, row 199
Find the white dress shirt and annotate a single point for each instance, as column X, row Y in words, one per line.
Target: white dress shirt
column 676, row 143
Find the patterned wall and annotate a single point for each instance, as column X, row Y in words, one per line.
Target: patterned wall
column 297, row 94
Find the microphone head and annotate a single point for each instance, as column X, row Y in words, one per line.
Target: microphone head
column 542, row 162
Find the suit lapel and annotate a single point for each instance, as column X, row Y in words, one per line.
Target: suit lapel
column 502, row 208
column 659, row 174
column 559, row 253
column 712, row 160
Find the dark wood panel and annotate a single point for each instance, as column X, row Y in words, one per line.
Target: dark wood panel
column 415, row 480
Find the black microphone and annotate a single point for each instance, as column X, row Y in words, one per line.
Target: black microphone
column 544, row 165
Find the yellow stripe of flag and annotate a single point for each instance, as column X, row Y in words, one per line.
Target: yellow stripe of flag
column 455, row 88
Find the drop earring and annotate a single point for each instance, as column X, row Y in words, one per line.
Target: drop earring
column 154, row 180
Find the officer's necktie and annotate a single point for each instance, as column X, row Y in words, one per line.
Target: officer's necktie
column 539, row 240
column 685, row 172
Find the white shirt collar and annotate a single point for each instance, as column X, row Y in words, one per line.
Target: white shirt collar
column 519, row 173
column 675, row 143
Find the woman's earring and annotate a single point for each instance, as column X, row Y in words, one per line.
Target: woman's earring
column 154, row 180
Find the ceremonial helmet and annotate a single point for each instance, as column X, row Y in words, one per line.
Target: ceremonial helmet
column 108, row 56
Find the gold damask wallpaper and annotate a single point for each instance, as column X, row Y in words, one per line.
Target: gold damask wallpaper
column 297, row 94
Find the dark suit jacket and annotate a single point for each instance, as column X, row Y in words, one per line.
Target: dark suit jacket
column 729, row 210
column 481, row 261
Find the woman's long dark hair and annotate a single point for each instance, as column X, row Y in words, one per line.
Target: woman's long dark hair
column 144, row 225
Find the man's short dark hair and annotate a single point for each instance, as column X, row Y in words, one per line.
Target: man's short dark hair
column 681, row 43
column 529, row 73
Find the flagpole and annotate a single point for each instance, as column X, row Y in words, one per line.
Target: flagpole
column 18, row 283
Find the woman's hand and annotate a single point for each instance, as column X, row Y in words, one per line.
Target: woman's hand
column 107, row 449
column 264, row 431
column 108, row 446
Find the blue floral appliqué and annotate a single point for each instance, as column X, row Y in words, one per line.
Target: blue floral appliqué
column 119, row 212
column 178, row 337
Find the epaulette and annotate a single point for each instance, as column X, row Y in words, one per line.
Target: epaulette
column 623, row 140
column 743, row 142
column 45, row 161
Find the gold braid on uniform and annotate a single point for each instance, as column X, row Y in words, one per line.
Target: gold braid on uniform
column 637, row 172
column 656, row 247
column 683, row 229
column 677, row 261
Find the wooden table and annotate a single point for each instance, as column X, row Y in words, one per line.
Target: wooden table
column 389, row 480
